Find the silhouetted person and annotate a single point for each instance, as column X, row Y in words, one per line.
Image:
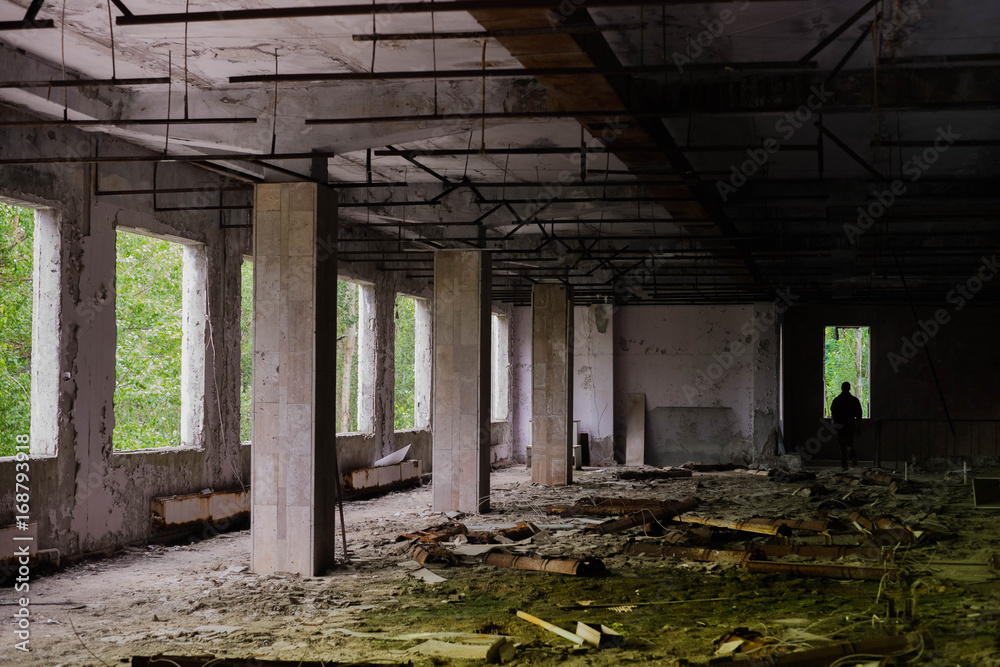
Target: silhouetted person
column 846, row 412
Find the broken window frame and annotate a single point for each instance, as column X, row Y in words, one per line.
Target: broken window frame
column 46, row 325
column 865, row 398
column 194, row 342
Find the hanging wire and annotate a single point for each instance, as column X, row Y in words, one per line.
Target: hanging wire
column 62, row 47
column 274, row 113
column 187, row 6
column 170, row 90
column 375, row 35
column 111, row 30
column 434, row 56
column 482, row 145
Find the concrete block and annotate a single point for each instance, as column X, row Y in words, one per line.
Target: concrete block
column 177, row 512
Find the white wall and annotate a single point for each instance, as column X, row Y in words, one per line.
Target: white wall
column 593, row 379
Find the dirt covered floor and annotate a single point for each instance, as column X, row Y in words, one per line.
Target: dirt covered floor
column 201, row 599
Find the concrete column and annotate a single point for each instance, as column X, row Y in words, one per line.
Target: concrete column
column 462, row 296
column 423, row 356
column 551, row 384
column 294, row 378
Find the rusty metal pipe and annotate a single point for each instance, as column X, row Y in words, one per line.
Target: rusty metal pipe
column 745, row 526
column 665, row 512
column 584, row 568
column 687, row 553
column 829, row 571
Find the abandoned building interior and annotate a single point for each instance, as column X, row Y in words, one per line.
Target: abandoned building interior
column 465, row 331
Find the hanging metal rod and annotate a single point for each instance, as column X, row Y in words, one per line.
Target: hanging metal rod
column 383, row 8
column 500, row 72
column 503, row 32
column 568, row 150
column 236, row 157
column 86, row 83
column 126, row 121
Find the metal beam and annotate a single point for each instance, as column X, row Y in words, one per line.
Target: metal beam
column 501, row 32
column 29, row 21
column 384, row 8
column 500, row 72
column 86, row 83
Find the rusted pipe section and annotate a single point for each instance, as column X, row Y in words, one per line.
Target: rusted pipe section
column 745, row 526
column 590, row 567
column 885, row 528
column 734, row 557
column 828, row 571
column 603, row 506
column 432, row 553
column 665, row 512
column 820, row 551
column 521, row 531
column 817, row 526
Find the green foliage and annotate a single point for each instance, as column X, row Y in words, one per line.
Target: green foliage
column 847, row 358
column 17, row 229
column 246, row 350
column 405, row 353
column 148, row 356
column 347, row 356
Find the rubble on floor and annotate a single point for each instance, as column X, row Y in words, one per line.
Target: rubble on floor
column 766, row 571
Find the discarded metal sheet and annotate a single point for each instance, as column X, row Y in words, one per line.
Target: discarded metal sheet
column 668, row 510
column 738, row 557
column 745, row 526
column 427, row 576
column 521, row 531
column 397, row 456
column 817, row 526
column 575, row 638
column 584, row 568
column 897, row 647
column 495, row 651
column 599, row 635
column 828, row 571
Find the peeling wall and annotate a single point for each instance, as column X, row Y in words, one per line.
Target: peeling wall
column 904, row 394
column 709, row 375
column 593, row 379
column 87, row 497
column 697, row 366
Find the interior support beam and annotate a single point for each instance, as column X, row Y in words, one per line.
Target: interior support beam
column 461, row 425
column 552, row 336
column 294, row 458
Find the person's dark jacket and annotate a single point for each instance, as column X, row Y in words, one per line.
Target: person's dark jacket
column 846, row 410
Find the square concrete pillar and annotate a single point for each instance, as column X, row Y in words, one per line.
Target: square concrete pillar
column 461, row 426
column 294, row 379
column 552, row 384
